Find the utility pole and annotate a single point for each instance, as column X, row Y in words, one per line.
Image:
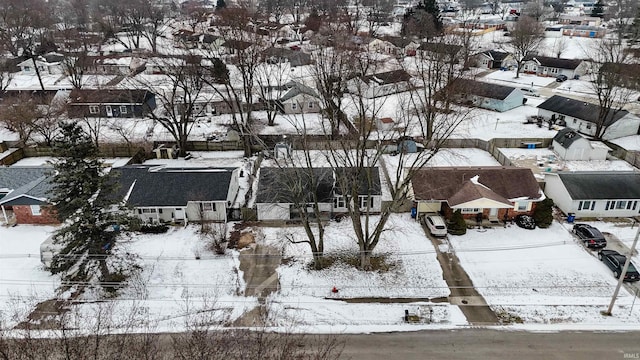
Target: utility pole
column 624, row 272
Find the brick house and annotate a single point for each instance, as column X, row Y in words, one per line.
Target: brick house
column 493, row 191
column 28, row 201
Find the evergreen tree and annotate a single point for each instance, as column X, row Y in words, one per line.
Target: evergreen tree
column 598, row 9
column 543, row 214
column 84, row 238
column 457, row 225
column 221, row 4
column 423, row 21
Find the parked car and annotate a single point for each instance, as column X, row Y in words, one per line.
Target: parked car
column 591, row 236
column 530, row 92
column 615, row 261
column 561, row 78
column 525, row 222
column 436, row 225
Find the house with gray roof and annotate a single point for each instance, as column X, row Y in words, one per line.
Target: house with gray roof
column 485, row 95
column 595, row 193
column 493, row 59
column 157, row 194
column 582, row 116
column 24, row 193
column 551, row 66
column 297, row 99
column 284, row 192
column 380, row 84
column 569, row 145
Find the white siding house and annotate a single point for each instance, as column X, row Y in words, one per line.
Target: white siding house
column 569, row 145
column 595, row 194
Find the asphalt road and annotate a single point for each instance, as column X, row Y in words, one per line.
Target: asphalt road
column 480, row 344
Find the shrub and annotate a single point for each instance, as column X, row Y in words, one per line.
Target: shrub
column 543, row 214
column 457, row 225
column 154, row 228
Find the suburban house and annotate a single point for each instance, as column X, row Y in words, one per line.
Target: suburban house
column 495, row 192
column 157, row 194
column 48, row 64
column 584, row 31
column 380, row 84
column 234, row 47
column 595, row 193
column 403, row 45
column 298, row 99
column 569, row 145
column 447, row 53
column 110, row 103
column 274, row 55
column 281, row 191
column 550, row 66
column 113, row 64
column 583, row 117
column 567, row 19
column 486, row 95
column 24, row 193
column 493, row 59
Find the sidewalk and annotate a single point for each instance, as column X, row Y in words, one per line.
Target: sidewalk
column 463, row 293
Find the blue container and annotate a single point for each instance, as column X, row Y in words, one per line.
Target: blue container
column 414, row 212
column 571, row 217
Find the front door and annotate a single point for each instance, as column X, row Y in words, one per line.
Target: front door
column 179, row 214
column 493, row 213
column 108, row 110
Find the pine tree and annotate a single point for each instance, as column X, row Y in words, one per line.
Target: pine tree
column 543, row 214
column 221, row 4
column 431, row 8
column 598, row 9
column 423, row 21
column 84, row 238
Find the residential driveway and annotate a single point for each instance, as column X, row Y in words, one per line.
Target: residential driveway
column 614, row 243
column 463, row 293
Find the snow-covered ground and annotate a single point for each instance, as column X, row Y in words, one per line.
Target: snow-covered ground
column 520, row 155
column 23, row 280
column 542, row 276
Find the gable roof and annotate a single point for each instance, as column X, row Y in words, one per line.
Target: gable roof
column 389, row 77
column 442, row 183
column 471, row 191
column 559, row 63
column 35, row 192
column 579, row 109
column 236, row 44
column 110, row 96
column 14, row 177
column 595, row 185
column 368, row 180
column 144, row 185
column 294, row 185
column 295, row 58
column 495, row 55
column 297, row 89
column 440, row 48
column 566, row 137
column 482, row 89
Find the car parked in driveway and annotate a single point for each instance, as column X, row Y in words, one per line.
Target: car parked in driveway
column 591, row 236
column 436, row 225
column 561, row 78
column 530, row 92
column 615, row 261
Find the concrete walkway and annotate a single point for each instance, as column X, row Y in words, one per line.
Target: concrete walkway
column 463, row 294
column 259, row 265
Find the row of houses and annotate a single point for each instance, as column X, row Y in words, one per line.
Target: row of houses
column 180, row 195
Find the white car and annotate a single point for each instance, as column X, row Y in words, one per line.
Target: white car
column 436, row 225
column 530, row 92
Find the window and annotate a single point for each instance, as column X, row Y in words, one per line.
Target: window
column 35, row 209
column 522, row 206
column 207, row 206
column 621, row 205
column 26, row 68
column 310, row 104
column 123, row 109
column 554, row 70
column 339, row 202
column 588, row 126
column 146, row 211
column 364, row 200
column 575, row 121
column 470, row 210
column 294, row 106
column 94, row 109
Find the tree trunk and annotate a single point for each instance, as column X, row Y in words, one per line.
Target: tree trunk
column 35, row 66
column 365, row 259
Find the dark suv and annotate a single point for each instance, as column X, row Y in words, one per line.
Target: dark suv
column 591, row 236
column 561, row 78
column 615, row 261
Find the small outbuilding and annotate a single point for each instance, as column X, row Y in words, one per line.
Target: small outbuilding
column 569, row 145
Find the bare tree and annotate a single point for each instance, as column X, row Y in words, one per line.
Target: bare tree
column 609, row 66
column 560, row 45
column 271, row 78
column 526, row 38
column 19, row 114
column 179, row 91
column 214, row 234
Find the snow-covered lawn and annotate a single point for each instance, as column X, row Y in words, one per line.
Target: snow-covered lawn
column 542, row 276
column 22, row 275
column 415, row 273
column 508, row 78
column 520, row 156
